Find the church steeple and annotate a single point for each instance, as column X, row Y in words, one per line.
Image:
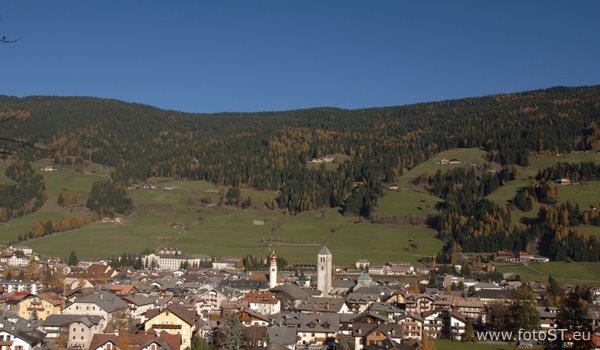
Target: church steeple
column 273, row 270
column 324, row 270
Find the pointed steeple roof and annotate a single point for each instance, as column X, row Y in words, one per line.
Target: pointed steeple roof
column 324, row 251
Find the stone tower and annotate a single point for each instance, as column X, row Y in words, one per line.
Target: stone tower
column 324, row 271
column 272, row 271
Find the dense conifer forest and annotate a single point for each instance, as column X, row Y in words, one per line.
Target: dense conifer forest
column 272, row 150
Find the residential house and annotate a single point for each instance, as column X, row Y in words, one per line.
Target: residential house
column 250, row 318
column 15, row 260
column 142, row 341
column 547, row 317
column 263, row 302
column 318, row 329
column 433, row 323
column 317, row 305
column 13, row 286
column 488, row 296
column 382, row 337
column 139, row 304
column 38, row 307
column 471, row 308
column 79, row 329
column 457, row 324
column 104, row 304
column 412, row 326
column 359, row 302
column 173, row 320
column 419, row 303
column 208, row 301
column 17, row 333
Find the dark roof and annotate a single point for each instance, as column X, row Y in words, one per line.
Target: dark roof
column 245, row 284
column 315, row 304
column 282, row 335
column 343, row 284
column 493, row 294
column 291, row 290
column 324, row 251
column 188, row 316
column 21, row 328
column 108, row 302
column 66, row 320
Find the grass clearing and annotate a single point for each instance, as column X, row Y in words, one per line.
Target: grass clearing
column 541, row 162
column 466, row 156
column 407, row 202
column 450, row 345
column 585, row 194
column 576, row 272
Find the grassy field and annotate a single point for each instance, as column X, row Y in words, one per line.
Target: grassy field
column 540, row 162
column 450, row 345
column 172, row 215
column 466, row 156
column 231, row 231
column 573, row 273
column 407, row 202
column 584, row 194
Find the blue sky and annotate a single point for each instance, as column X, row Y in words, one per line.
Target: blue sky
column 272, row 55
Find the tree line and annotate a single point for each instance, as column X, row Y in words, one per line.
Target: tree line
column 25, row 195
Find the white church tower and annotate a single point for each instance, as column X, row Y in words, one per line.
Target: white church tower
column 273, row 271
column 324, row 271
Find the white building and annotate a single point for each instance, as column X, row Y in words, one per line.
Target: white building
column 324, row 271
column 273, row 271
column 171, row 262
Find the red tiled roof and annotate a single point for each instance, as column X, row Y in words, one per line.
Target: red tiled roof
column 257, row 297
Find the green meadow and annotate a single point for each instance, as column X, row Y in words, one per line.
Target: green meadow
column 185, row 214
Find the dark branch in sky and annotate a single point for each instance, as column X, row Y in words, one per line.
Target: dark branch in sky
column 3, row 125
column 5, row 40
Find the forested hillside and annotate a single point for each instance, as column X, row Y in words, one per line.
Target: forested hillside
column 272, row 150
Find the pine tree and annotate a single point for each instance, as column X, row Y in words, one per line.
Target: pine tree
column 522, row 311
column 573, row 316
column 73, row 258
column 469, row 335
column 555, row 292
column 232, row 336
column 426, row 344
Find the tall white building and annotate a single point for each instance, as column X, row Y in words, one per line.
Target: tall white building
column 324, row 271
column 273, row 271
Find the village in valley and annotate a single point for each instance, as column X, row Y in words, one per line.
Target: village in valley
column 169, row 300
